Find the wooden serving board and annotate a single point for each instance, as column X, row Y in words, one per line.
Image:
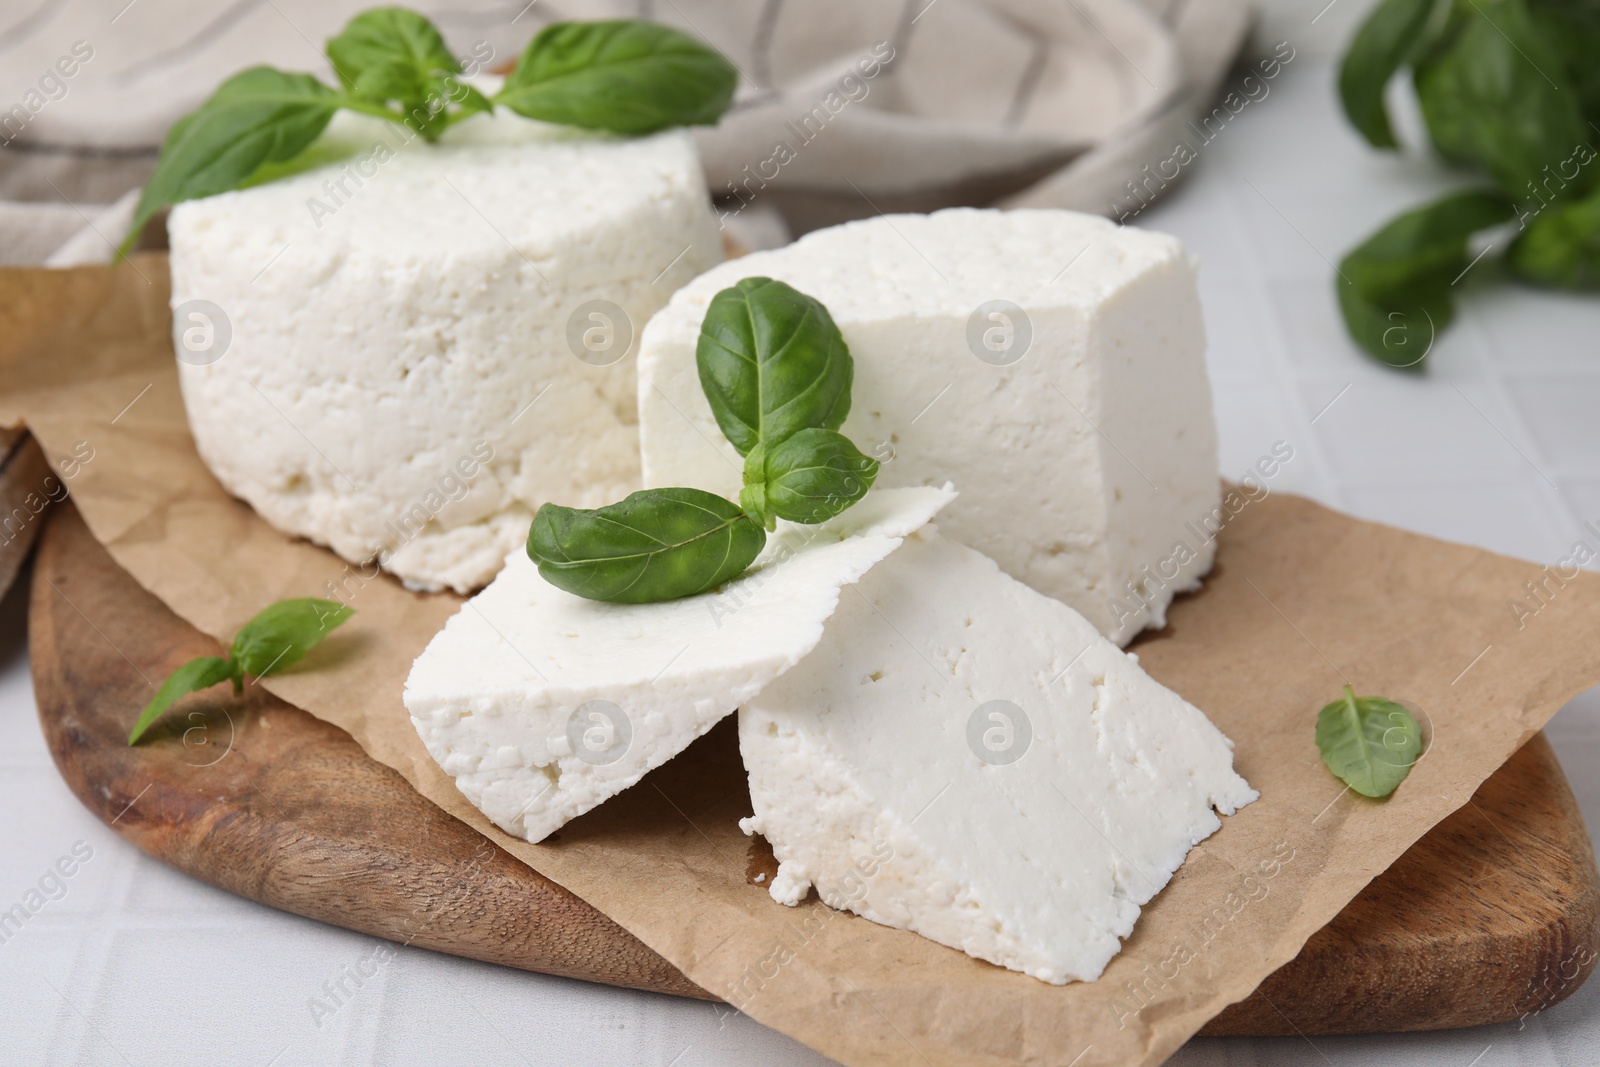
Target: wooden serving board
column 1493, row 915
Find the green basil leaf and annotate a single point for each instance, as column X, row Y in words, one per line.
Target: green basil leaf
column 282, row 634
column 810, row 477
column 391, row 55
column 1426, row 243
column 1495, row 94
column 658, row 544
column 257, row 116
column 1572, row 29
column 1397, row 328
column 1396, row 289
column 197, row 674
column 1370, row 743
column 624, row 75
column 772, row 363
column 400, row 43
column 1561, row 246
column 1388, row 37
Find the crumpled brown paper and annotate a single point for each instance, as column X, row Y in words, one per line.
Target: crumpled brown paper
column 1302, row 600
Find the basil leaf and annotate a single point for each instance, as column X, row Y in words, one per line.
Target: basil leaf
column 1429, row 242
column 810, row 477
column 258, row 116
column 1397, row 328
column 772, row 363
column 197, row 674
column 1381, row 46
column 282, row 634
column 1370, row 743
column 1572, row 29
column 658, row 544
column 1495, row 94
column 1561, row 246
column 391, row 55
column 1396, row 288
column 623, row 75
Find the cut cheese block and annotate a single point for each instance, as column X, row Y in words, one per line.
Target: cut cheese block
column 1049, row 363
column 541, row 704
column 963, row 757
column 403, row 350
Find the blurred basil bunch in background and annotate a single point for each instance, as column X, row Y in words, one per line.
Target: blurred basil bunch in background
column 1509, row 89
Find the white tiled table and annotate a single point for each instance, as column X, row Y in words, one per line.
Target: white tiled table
column 1498, row 446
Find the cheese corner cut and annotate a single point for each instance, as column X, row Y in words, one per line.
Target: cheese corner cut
column 541, row 705
column 963, row 757
column 1050, row 363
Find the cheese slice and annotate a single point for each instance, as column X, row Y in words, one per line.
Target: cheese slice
column 404, row 349
column 966, row 758
column 541, row 704
column 1049, row 363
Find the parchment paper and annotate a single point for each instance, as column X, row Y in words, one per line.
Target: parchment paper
column 1302, row 600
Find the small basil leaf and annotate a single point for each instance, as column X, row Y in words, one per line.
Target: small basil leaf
column 1561, row 246
column 1395, row 289
column 658, row 544
column 772, row 363
column 623, row 75
column 197, row 674
column 1381, row 46
column 1495, row 94
column 257, row 116
column 282, row 634
column 1370, row 743
column 814, row 475
column 391, row 55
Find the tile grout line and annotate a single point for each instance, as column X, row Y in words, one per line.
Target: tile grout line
column 1286, row 376
column 1494, row 375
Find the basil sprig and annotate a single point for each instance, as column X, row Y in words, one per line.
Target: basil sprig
column 777, row 375
column 276, row 639
column 1509, row 89
column 391, row 56
column 624, row 76
column 1370, row 743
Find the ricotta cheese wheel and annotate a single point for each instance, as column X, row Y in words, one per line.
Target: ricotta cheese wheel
column 966, row 758
column 1050, row 364
column 402, row 350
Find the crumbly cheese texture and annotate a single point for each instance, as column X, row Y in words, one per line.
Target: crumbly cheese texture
column 1087, row 467
column 1029, row 839
column 541, row 704
column 400, row 310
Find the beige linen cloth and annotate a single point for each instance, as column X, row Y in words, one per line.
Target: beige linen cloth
column 845, row 107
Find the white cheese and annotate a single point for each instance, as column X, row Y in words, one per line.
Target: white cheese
column 893, row 770
column 392, row 331
column 1087, row 464
column 542, row 705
